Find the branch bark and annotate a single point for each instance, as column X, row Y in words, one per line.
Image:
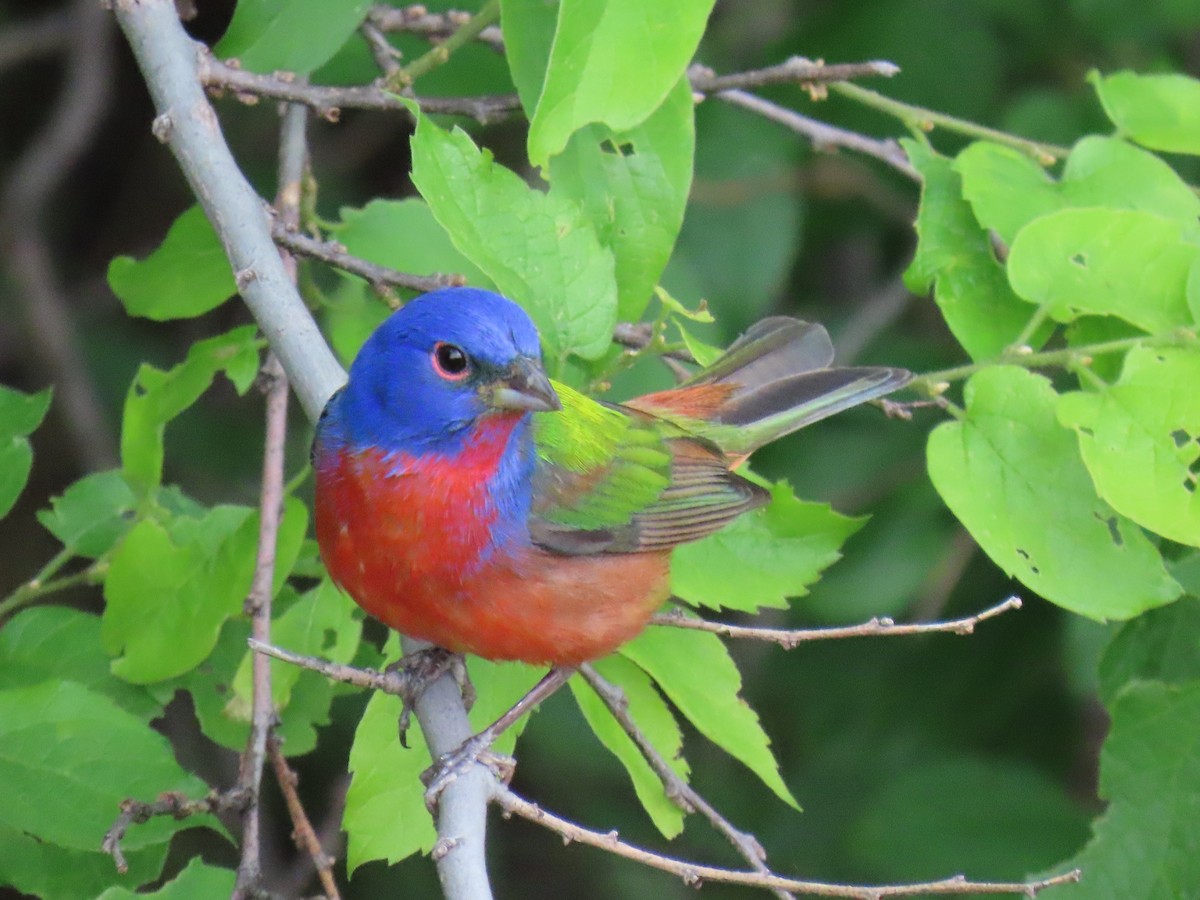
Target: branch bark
column 186, row 122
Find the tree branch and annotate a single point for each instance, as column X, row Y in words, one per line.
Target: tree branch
column 823, row 135
column 169, row 61
column 327, row 101
column 796, row 70
column 677, row 790
column 379, row 277
column 420, row 21
column 293, row 157
column 789, row 638
column 171, row 803
column 303, row 833
column 694, row 875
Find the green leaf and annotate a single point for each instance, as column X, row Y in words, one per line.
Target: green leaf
column 1007, row 189
column 528, row 27
column 58, row 643
column 1140, row 439
column 654, row 719
column 764, row 557
column 92, row 514
column 47, row 870
column 1118, row 262
column 612, row 62
column 1013, row 477
column 955, row 258
column 404, row 235
column 633, row 185
column 168, row 592
column 187, row 274
column 695, row 671
column 198, row 879
column 320, row 623
column 385, row 816
column 75, row 755
column 156, row 397
column 20, row 415
column 1160, row 645
column 295, row 35
column 991, row 818
column 1144, row 845
column 1161, row 112
column 538, row 249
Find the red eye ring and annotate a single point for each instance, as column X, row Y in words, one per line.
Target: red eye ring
column 450, row 361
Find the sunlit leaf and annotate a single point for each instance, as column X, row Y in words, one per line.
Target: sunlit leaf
column 695, row 671
column 763, row 557
column 538, row 248
column 187, row 274
column 1014, row 478
column 1140, row 439
column 1161, row 112
column 612, row 62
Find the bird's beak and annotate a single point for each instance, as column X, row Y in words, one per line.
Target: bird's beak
column 525, row 387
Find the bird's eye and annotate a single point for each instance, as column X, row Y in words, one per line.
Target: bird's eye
column 450, row 361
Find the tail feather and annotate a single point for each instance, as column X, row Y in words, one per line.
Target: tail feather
column 774, row 379
column 774, row 347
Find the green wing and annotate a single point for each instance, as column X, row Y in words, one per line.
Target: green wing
column 614, row 480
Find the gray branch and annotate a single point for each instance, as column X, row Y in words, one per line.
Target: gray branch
column 187, row 123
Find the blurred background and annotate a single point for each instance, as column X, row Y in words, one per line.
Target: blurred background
column 913, row 757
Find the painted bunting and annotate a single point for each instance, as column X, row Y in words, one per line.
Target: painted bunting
column 465, row 498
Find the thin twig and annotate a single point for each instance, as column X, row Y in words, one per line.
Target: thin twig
column 823, row 135
column 923, row 119
column 796, row 70
column 390, row 681
column 327, row 101
column 677, row 790
column 695, row 875
column 293, row 157
column 379, row 277
column 303, row 833
column 487, row 16
column 171, row 803
column 788, row 638
column 186, row 122
column 420, row 21
column 386, row 56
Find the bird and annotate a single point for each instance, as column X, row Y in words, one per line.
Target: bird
column 464, row 498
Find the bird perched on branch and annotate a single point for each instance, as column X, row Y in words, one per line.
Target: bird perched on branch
column 464, row 498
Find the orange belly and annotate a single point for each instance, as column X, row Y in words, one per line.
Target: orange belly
column 410, row 550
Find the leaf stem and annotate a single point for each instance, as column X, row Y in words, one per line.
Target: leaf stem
column 927, row 119
column 44, row 583
column 1066, row 356
column 489, row 14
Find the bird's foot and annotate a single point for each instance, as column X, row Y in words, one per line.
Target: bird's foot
column 416, row 671
column 450, row 766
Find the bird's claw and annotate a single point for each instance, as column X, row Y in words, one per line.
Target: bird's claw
column 449, row 766
column 416, row 671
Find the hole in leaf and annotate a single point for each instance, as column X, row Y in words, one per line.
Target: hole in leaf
column 1189, row 483
column 1022, row 554
column 1114, row 530
column 1180, row 437
column 1084, row 430
column 1080, row 260
column 618, row 149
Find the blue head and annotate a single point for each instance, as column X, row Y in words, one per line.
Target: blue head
column 435, row 368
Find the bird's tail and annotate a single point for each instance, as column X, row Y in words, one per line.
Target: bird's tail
column 773, row 380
